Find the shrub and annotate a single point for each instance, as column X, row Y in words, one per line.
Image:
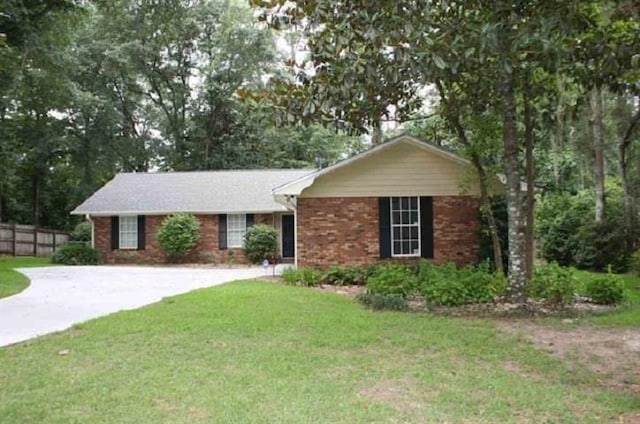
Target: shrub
column 347, row 275
column 393, row 302
column 81, row 232
column 260, row 243
column 392, row 279
column 605, row 290
column 75, row 254
column 178, row 234
column 449, row 285
column 306, row 277
column 553, row 283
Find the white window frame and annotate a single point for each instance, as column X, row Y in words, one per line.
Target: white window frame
column 401, row 225
column 128, row 230
column 239, row 222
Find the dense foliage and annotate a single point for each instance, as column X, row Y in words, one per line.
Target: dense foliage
column 607, row 289
column 81, row 232
column 260, row 243
column 569, row 236
column 75, row 254
column 178, row 234
column 554, row 284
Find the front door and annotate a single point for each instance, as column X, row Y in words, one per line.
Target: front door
column 288, row 239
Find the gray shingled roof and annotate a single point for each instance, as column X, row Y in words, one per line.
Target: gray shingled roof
column 196, row 192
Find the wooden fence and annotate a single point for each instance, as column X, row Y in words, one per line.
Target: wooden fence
column 27, row 240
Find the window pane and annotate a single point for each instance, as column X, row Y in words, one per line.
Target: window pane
column 405, row 203
column 396, row 248
column 236, row 229
column 396, row 233
column 396, row 217
column 414, row 247
column 406, row 247
column 414, row 217
column 405, row 233
column 128, row 232
column 414, row 233
column 413, row 201
column 405, row 218
column 395, row 203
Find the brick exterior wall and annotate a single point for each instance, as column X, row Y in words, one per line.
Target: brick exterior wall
column 340, row 230
column 206, row 251
column 345, row 230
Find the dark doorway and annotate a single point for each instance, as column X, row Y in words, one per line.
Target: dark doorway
column 288, row 239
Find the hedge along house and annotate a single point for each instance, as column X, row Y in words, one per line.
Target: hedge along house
column 402, row 199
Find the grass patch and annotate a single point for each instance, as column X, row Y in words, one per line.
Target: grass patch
column 262, row 353
column 628, row 314
column 11, row 281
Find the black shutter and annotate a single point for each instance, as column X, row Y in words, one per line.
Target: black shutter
column 141, row 232
column 249, row 220
column 222, row 231
column 426, row 227
column 115, row 233
column 384, row 222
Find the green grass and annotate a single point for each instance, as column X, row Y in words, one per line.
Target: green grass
column 628, row 314
column 252, row 352
column 12, row 282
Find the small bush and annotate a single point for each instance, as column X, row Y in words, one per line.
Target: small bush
column 347, row 275
column 75, row 254
column 605, row 290
column 81, row 233
column 392, row 302
column 179, row 234
column 392, row 280
column 553, row 283
column 260, row 243
column 449, row 285
column 306, row 277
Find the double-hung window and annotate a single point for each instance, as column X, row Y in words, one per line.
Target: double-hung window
column 405, row 226
column 128, row 232
column 236, row 229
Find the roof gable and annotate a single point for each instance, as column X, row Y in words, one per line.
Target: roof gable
column 394, row 164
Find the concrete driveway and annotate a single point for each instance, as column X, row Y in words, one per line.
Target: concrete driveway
column 59, row 297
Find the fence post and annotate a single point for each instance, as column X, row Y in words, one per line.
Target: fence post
column 15, row 239
column 54, row 242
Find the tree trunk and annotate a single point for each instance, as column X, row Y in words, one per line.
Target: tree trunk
column 35, row 187
column 623, row 146
column 557, row 140
column 376, row 133
column 597, row 133
column 517, row 288
column 529, row 124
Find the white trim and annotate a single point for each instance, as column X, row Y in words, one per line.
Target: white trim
column 297, row 186
column 93, row 231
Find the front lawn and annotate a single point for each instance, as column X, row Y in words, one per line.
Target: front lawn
column 256, row 352
column 11, row 281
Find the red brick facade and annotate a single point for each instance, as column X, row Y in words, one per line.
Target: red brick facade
column 206, row 251
column 345, row 230
column 329, row 231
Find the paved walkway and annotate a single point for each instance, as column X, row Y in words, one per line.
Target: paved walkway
column 60, row 297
